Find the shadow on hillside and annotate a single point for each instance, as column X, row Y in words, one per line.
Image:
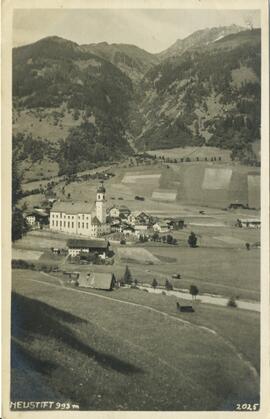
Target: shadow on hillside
column 31, row 318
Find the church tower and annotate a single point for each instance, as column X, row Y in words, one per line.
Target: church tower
column 101, row 204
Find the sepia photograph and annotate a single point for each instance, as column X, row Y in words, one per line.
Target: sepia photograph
column 136, row 210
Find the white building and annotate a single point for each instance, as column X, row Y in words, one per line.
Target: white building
column 81, row 218
column 161, row 227
column 249, row 222
column 31, row 219
column 117, row 211
column 139, row 217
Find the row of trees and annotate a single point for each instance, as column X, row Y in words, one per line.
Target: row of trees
column 128, row 279
column 193, row 289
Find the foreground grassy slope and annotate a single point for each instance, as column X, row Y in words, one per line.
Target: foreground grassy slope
column 107, row 355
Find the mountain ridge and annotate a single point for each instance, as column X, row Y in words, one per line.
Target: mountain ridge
column 119, row 94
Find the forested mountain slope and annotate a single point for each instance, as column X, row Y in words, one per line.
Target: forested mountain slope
column 206, row 95
column 57, row 84
column 83, row 104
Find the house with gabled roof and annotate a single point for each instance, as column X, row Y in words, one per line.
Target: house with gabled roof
column 77, row 246
column 119, row 211
column 98, row 280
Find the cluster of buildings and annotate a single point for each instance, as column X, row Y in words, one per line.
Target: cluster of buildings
column 139, row 223
column 94, row 219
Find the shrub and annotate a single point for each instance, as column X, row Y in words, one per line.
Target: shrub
column 192, row 240
column 231, row 302
column 194, row 291
column 21, row 264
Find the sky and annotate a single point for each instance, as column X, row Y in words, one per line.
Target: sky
column 151, row 29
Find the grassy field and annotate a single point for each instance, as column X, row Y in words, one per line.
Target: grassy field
column 187, row 184
column 138, row 255
column 108, row 355
column 220, row 265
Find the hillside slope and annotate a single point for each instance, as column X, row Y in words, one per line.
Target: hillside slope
column 71, row 92
column 206, row 95
column 131, row 60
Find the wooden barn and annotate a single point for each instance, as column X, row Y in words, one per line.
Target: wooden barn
column 98, row 280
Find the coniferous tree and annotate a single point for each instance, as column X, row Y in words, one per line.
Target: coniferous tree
column 127, row 279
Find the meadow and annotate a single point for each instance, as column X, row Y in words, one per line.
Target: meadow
column 127, row 350
column 220, row 265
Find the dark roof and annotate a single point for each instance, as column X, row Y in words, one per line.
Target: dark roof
column 175, row 220
column 124, row 208
column 36, row 213
column 120, row 208
column 101, row 188
column 69, row 207
column 30, row 213
column 99, row 280
column 94, row 244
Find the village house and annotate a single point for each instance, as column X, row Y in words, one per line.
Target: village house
column 116, row 225
column 81, row 218
column 98, row 280
column 31, row 218
column 140, row 217
column 128, row 230
column 37, row 217
column 161, row 227
column 76, row 246
column 176, row 223
column 119, row 211
column 248, row 222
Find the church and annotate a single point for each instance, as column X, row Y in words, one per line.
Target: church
column 81, row 218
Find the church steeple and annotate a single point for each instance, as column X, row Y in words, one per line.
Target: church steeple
column 101, row 203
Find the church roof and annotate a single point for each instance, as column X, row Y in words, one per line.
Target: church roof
column 73, row 207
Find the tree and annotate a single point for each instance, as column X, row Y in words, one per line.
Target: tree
column 127, row 278
column 231, row 302
column 168, row 285
column 19, row 224
column 193, row 290
column 155, row 236
column 154, row 283
column 16, row 182
column 192, row 240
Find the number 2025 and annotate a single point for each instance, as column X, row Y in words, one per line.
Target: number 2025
column 247, row 406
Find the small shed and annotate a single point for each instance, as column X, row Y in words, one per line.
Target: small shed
column 98, row 280
column 184, row 308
